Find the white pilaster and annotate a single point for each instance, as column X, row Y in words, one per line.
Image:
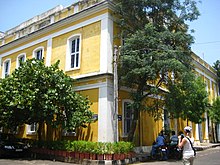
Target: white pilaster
column 106, row 113
column 197, row 134
column 106, row 45
column 49, row 52
column 206, row 128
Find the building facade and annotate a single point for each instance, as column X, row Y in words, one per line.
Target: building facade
column 81, row 36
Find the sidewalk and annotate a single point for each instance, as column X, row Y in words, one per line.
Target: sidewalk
column 204, row 146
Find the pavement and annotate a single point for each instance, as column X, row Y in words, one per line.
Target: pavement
column 145, row 156
column 204, row 146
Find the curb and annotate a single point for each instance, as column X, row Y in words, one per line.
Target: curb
column 109, row 162
column 201, row 148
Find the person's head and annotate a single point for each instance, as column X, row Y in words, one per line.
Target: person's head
column 161, row 133
column 173, row 132
column 188, row 129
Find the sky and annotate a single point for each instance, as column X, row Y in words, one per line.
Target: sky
column 207, row 27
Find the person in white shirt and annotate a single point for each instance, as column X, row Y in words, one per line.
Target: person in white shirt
column 188, row 150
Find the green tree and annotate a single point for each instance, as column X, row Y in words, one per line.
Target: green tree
column 187, row 100
column 156, row 49
column 214, row 114
column 214, row 111
column 35, row 93
column 217, row 68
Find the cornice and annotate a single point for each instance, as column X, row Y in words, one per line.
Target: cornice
column 72, row 18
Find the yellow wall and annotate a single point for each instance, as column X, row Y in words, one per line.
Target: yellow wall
column 91, row 132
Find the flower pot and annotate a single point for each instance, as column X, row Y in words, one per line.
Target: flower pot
column 86, row 155
column 100, row 157
column 81, row 156
column 92, row 156
column 116, row 157
column 108, row 156
column 72, row 154
column 77, row 155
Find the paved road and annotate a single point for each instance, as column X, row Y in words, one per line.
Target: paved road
column 30, row 162
column 207, row 157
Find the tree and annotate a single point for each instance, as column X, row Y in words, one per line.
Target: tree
column 35, row 93
column 188, row 100
column 214, row 114
column 156, row 49
column 217, row 68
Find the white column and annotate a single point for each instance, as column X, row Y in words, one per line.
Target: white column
column 106, row 113
column 49, row 52
column 197, row 134
column 106, row 45
column 206, row 128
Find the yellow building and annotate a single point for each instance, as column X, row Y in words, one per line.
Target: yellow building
column 81, row 36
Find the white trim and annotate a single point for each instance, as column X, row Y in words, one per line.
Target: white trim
column 86, row 75
column 106, row 45
column 91, row 86
column 49, row 52
column 61, row 32
column 68, row 47
column 205, row 75
column 76, row 9
column 3, row 67
column 18, row 57
column 36, row 49
column 106, row 113
column 123, row 116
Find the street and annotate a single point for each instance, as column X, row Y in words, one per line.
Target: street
column 206, row 157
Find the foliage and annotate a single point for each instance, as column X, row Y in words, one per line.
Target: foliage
column 214, row 111
column 156, row 50
column 88, row 146
column 35, row 93
column 188, row 100
column 217, row 68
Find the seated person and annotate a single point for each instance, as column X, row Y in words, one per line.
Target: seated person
column 174, row 139
column 160, row 141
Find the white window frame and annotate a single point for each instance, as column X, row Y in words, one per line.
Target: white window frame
column 31, row 132
column 69, row 54
column 8, row 60
column 124, row 132
column 36, row 50
column 18, row 59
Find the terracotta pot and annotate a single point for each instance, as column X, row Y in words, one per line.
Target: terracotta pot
column 81, row 156
column 116, row 157
column 86, row 155
column 92, row 156
column 108, row 156
column 100, row 157
column 72, row 154
column 77, row 155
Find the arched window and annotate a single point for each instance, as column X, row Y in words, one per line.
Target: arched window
column 6, row 68
column 38, row 53
column 21, row 58
column 73, row 52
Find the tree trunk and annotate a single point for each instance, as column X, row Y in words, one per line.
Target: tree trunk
column 133, row 126
column 39, row 131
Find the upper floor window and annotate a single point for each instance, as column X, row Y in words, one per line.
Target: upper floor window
column 31, row 129
column 73, row 53
column 127, row 116
column 21, row 58
column 38, row 53
column 6, row 68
